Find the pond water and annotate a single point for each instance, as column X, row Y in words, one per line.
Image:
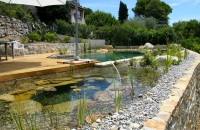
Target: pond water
column 102, row 57
column 40, row 93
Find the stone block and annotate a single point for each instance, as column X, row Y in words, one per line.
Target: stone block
column 155, row 124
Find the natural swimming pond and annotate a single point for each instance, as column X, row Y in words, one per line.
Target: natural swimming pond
column 38, row 94
column 102, row 56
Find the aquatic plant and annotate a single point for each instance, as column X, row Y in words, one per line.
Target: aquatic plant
column 168, row 63
column 118, row 94
column 51, row 112
column 17, row 119
column 133, row 62
column 118, row 97
column 147, row 59
column 130, row 74
column 185, row 53
column 38, row 74
column 81, row 107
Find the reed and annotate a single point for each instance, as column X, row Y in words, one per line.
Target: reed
column 118, row 94
column 130, row 74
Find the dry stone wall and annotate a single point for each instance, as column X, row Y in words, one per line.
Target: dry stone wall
column 41, row 48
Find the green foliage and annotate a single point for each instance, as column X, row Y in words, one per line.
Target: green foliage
column 136, row 23
column 123, row 12
column 87, row 11
column 24, row 39
column 65, row 28
column 99, row 19
column 50, row 37
column 49, row 14
column 34, row 36
column 85, row 30
column 185, row 53
column 168, row 62
column 147, row 59
column 81, row 107
column 191, row 44
column 130, row 74
column 153, row 8
column 66, row 39
column 16, row 11
column 133, row 62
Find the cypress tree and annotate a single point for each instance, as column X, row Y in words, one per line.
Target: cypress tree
column 123, row 12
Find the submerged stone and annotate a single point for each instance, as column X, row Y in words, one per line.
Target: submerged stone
column 27, row 106
column 41, row 82
column 7, row 97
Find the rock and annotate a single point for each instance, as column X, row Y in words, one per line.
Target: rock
column 59, row 80
column 27, row 106
column 164, row 57
column 107, row 47
column 134, row 125
column 102, row 50
column 7, row 97
column 41, row 82
column 16, row 92
column 94, row 125
column 102, row 96
column 148, row 45
column 40, row 88
column 91, row 118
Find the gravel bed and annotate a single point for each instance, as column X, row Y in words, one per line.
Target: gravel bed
column 134, row 115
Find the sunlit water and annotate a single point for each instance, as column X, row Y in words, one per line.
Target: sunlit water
column 102, row 56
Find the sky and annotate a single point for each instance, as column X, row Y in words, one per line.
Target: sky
column 182, row 10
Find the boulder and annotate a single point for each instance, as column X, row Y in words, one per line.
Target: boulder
column 163, row 57
column 148, row 45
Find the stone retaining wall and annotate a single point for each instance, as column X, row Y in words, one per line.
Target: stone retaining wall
column 40, row 48
column 180, row 110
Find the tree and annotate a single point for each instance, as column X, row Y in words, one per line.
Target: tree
column 99, row 19
column 123, row 12
column 87, row 11
column 153, row 8
column 49, row 14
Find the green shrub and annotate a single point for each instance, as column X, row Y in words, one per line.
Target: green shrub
column 34, row 36
column 66, row 39
column 147, row 59
column 50, row 37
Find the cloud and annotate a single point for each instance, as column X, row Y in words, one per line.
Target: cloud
column 178, row 2
column 196, row 2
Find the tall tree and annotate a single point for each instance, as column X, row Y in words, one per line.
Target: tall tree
column 87, row 11
column 123, row 12
column 99, row 19
column 153, row 8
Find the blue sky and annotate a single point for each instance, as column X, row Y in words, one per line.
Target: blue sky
column 183, row 10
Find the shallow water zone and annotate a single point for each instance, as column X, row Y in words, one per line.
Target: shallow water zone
column 57, row 93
